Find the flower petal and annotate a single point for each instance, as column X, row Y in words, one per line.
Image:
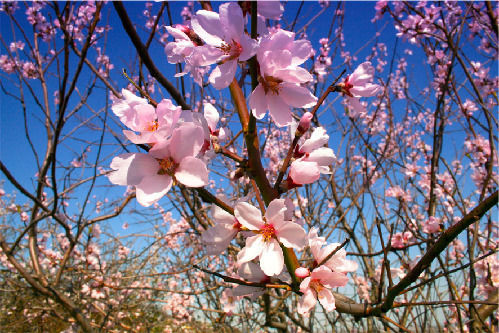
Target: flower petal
column 231, row 18
column 153, row 188
column 186, row 140
column 223, row 74
column 249, row 216
column 292, row 235
column 327, row 300
column 306, row 303
column 303, row 172
column 130, row 169
column 279, row 110
column 253, row 249
column 206, row 24
column 297, row 96
column 192, row 172
column 271, row 259
column 322, row 156
column 275, row 211
column 258, row 102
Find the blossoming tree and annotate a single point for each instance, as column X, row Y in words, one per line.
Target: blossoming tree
column 255, row 174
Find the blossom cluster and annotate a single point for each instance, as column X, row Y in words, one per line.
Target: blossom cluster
column 178, row 141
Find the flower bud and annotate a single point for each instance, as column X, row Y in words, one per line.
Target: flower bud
column 304, row 124
column 302, row 272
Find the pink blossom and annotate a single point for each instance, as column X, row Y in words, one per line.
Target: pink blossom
column 358, row 84
column 338, row 262
column 152, row 174
column 399, row 193
column 153, row 124
column 270, row 9
column 431, row 225
column 187, row 48
column 276, row 228
column 401, row 240
column 225, row 32
column 250, row 272
column 279, row 56
column 218, row 237
column 317, row 286
column 302, row 272
column 312, row 159
column 212, row 118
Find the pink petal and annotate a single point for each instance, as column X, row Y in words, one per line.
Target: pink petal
column 270, row 9
column 206, row 25
column 231, row 18
column 211, row 115
column 292, row 235
column 192, row 172
column 275, row 211
column 249, row 216
column 293, row 75
column 322, row 156
column 221, row 216
column 177, row 33
column 327, row 300
column 355, row 107
column 271, row 259
column 303, row 172
column 130, row 169
column 223, row 74
column 253, row 249
column 279, row 110
column 251, row 272
column 186, row 140
column 301, row 51
column 367, row 90
column 168, row 115
column 249, row 46
column 297, row 96
column 153, row 188
column 258, row 102
column 218, row 238
column 318, row 139
column 362, row 75
column 307, row 302
column 242, row 290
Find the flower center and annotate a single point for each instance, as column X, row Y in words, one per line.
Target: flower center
column 167, row 166
column 236, row 225
column 153, row 126
column 233, row 50
column 267, row 231
column 271, row 84
column 317, row 286
column 347, row 86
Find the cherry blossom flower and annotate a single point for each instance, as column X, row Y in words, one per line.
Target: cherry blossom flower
column 359, row 84
column 250, row 272
column 270, row 9
column 188, row 48
column 153, row 174
column 279, row 56
column 218, row 237
column 224, row 31
column 270, row 230
column 401, row 240
column 313, row 159
column 317, row 286
column 153, row 124
column 338, row 262
column 212, row 117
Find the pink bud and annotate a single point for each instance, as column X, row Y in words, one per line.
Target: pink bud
column 302, row 272
column 304, row 124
